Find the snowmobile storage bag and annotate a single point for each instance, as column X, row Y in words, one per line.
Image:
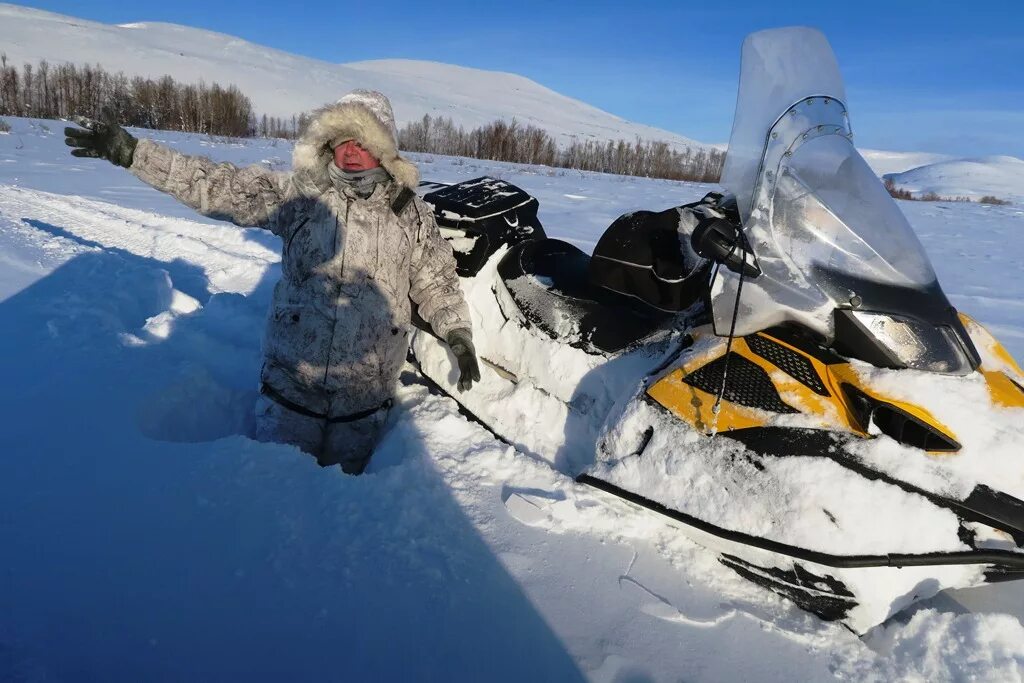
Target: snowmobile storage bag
column 643, row 255
column 478, row 216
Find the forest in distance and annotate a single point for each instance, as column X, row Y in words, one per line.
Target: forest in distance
column 57, row 91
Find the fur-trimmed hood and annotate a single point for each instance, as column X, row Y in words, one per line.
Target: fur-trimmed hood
column 364, row 116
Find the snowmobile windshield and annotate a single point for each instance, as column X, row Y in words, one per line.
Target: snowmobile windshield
column 831, row 215
column 779, row 68
column 822, row 229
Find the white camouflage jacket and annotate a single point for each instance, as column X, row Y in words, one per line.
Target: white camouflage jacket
column 338, row 327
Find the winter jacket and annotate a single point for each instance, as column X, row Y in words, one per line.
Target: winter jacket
column 337, row 331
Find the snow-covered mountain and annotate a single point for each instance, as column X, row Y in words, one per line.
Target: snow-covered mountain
column 283, row 84
column 884, row 162
column 998, row 176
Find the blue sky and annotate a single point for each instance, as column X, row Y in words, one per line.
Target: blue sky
column 922, row 76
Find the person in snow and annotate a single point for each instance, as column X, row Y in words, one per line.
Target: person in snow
column 358, row 245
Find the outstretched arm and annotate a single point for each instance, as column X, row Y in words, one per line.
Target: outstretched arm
column 248, row 196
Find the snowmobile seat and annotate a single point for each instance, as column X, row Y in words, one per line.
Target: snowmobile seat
column 548, row 282
column 647, row 255
column 478, row 216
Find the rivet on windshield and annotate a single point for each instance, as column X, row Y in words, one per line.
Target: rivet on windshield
column 789, row 153
column 775, row 135
column 810, row 100
column 826, row 100
column 804, row 136
column 792, row 112
column 769, row 174
column 856, row 301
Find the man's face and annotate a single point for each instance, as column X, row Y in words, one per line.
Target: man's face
column 350, row 156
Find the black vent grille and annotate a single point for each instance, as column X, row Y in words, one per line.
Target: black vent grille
column 896, row 423
column 790, row 362
column 747, row 384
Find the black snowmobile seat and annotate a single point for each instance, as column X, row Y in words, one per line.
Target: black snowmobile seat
column 549, row 282
column 646, row 255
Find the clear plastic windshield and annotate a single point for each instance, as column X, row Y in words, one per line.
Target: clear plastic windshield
column 829, row 210
column 778, row 68
column 817, row 218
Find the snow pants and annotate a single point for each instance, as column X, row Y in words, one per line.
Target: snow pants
column 346, row 443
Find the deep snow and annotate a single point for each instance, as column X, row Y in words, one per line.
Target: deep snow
column 146, row 538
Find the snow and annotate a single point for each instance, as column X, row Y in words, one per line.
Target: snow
column 883, row 162
column 998, row 176
column 946, row 646
column 147, row 538
column 283, row 84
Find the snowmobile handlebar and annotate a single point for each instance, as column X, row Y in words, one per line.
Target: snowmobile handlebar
column 718, row 240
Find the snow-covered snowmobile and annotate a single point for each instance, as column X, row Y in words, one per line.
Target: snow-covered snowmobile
column 774, row 369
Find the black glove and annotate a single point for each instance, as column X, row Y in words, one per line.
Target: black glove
column 461, row 343
column 101, row 140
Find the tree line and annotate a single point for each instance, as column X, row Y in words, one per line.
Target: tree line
column 59, row 91
column 64, row 90
column 898, row 192
column 528, row 144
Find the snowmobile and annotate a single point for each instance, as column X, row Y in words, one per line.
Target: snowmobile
column 773, row 369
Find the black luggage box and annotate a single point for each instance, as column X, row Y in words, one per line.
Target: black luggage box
column 478, row 216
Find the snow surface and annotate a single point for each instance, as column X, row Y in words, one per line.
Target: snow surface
column 998, row 176
column 146, row 538
column 283, row 84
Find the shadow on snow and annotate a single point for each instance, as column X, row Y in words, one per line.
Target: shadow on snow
column 129, row 558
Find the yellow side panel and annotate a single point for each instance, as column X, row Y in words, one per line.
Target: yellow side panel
column 1003, row 391
column 1000, row 383
column 695, row 406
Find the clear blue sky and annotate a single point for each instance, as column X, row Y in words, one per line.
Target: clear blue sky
column 921, row 76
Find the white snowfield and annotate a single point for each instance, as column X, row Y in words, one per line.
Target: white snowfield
column 283, row 84
column 145, row 537
column 998, row 176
